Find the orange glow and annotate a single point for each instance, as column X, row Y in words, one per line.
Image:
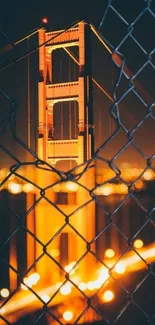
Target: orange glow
column 27, row 282
column 70, row 186
column 66, row 289
column 138, row 243
column 82, row 286
column 14, row 188
column 148, row 175
column 23, row 287
column 33, row 278
column 2, row 310
column 45, row 298
column 123, row 189
column 91, row 285
column 4, row 293
column 103, row 277
column 55, row 252
column 107, row 190
column 108, row 296
column 69, row 267
column 56, row 188
column 109, row 253
column 119, row 268
column 139, row 184
column 28, row 188
column 23, row 301
column 135, row 261
column 68, row 315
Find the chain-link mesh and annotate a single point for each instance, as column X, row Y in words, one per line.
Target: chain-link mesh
column 112, row 277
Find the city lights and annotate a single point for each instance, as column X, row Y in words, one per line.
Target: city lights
column 4, row 293
column 148, row 175
column 82, row 286
column 69, row 267
column 14, row 188
column 27, row 188
column 139, row 184
column 108, row 296
column 70, row 186
column 2, row 310
column 68, row 315
column 23, row 287
column 138, row 243
column 91, row 285
column 30, row 281
column 103, row 276
column 65, row 289
column 33, row 278
column 55, row 252
column 109, row 253
column 106, row 190
column 119, row 268
column 45, row 298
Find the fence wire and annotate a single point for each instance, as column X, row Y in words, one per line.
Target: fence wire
column 124, row 291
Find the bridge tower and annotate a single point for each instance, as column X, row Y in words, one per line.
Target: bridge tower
column 52, row 150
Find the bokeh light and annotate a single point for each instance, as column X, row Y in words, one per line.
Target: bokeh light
column 68, row 315
column 109, row 253
column 4, row 293
column 120, row 268
column 108, row 296
column 138, row 243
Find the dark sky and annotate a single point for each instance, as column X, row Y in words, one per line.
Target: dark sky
column 17, row 17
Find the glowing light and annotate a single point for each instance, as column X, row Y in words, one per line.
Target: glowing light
column 148, row 175
column 91, row 285
column 70, row 186
column 132, row 263
column 139, row 184
column 45, row 298
column 69, row 267
column 33, row 278
column 3, row 173
column 103, row 276
column 82, row 286
column 23, row 287
column 55, row 252
column 68, row 315
column 106, row 190
column 108, row 296
column 45, row 20
column 28, row 188
column 109, row 253
column 14, row 188
column 123, row 189
column 120, row 268
column 27, row 281
column 138, row 243
column 5, row 293
column 65, row 290
column 2, row 310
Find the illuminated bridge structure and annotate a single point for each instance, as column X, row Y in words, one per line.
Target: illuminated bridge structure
column 54, row 150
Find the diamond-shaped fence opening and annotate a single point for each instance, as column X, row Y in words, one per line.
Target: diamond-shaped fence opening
column 77, row 235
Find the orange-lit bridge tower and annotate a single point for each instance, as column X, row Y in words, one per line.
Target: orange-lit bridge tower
column 68, row 246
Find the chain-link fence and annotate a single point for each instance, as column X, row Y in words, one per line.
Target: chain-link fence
column 92, row 262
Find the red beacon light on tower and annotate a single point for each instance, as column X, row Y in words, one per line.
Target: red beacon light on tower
column 44, row 20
